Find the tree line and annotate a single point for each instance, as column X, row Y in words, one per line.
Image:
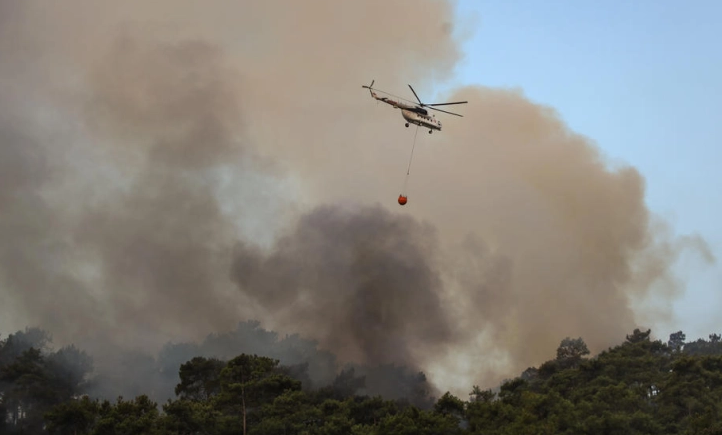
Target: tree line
column 641, row 386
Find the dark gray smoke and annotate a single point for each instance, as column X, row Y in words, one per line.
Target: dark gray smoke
column 365, row 282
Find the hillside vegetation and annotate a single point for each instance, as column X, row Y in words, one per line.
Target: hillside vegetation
column 640, row 386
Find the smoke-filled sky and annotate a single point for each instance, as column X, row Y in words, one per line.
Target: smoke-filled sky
column 642, row 80
column 169, row 169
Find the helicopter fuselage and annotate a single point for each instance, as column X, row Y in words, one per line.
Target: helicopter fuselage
column 413, row 114
column 420, row 119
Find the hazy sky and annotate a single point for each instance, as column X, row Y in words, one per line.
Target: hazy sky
column 642, row 80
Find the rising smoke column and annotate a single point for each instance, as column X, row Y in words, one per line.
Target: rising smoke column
column 362, row 281
column 563, row 234
column 138, row 147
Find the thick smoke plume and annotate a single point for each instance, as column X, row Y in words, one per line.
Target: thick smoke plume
column 364, row 282
column 168, row 169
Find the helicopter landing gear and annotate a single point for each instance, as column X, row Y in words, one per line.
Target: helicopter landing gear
column 407, row 125
column 430, row 131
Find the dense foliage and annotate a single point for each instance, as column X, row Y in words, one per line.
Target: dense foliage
column 641, row 386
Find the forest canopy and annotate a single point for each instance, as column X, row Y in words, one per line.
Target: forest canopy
column 639, row 386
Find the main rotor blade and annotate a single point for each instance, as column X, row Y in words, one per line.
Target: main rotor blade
column 450, row 113
column 446, row 104
column 417, row 97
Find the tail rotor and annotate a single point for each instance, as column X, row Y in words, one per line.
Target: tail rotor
column 369, row 87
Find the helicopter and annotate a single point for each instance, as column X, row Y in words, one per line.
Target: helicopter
column 414, row 113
